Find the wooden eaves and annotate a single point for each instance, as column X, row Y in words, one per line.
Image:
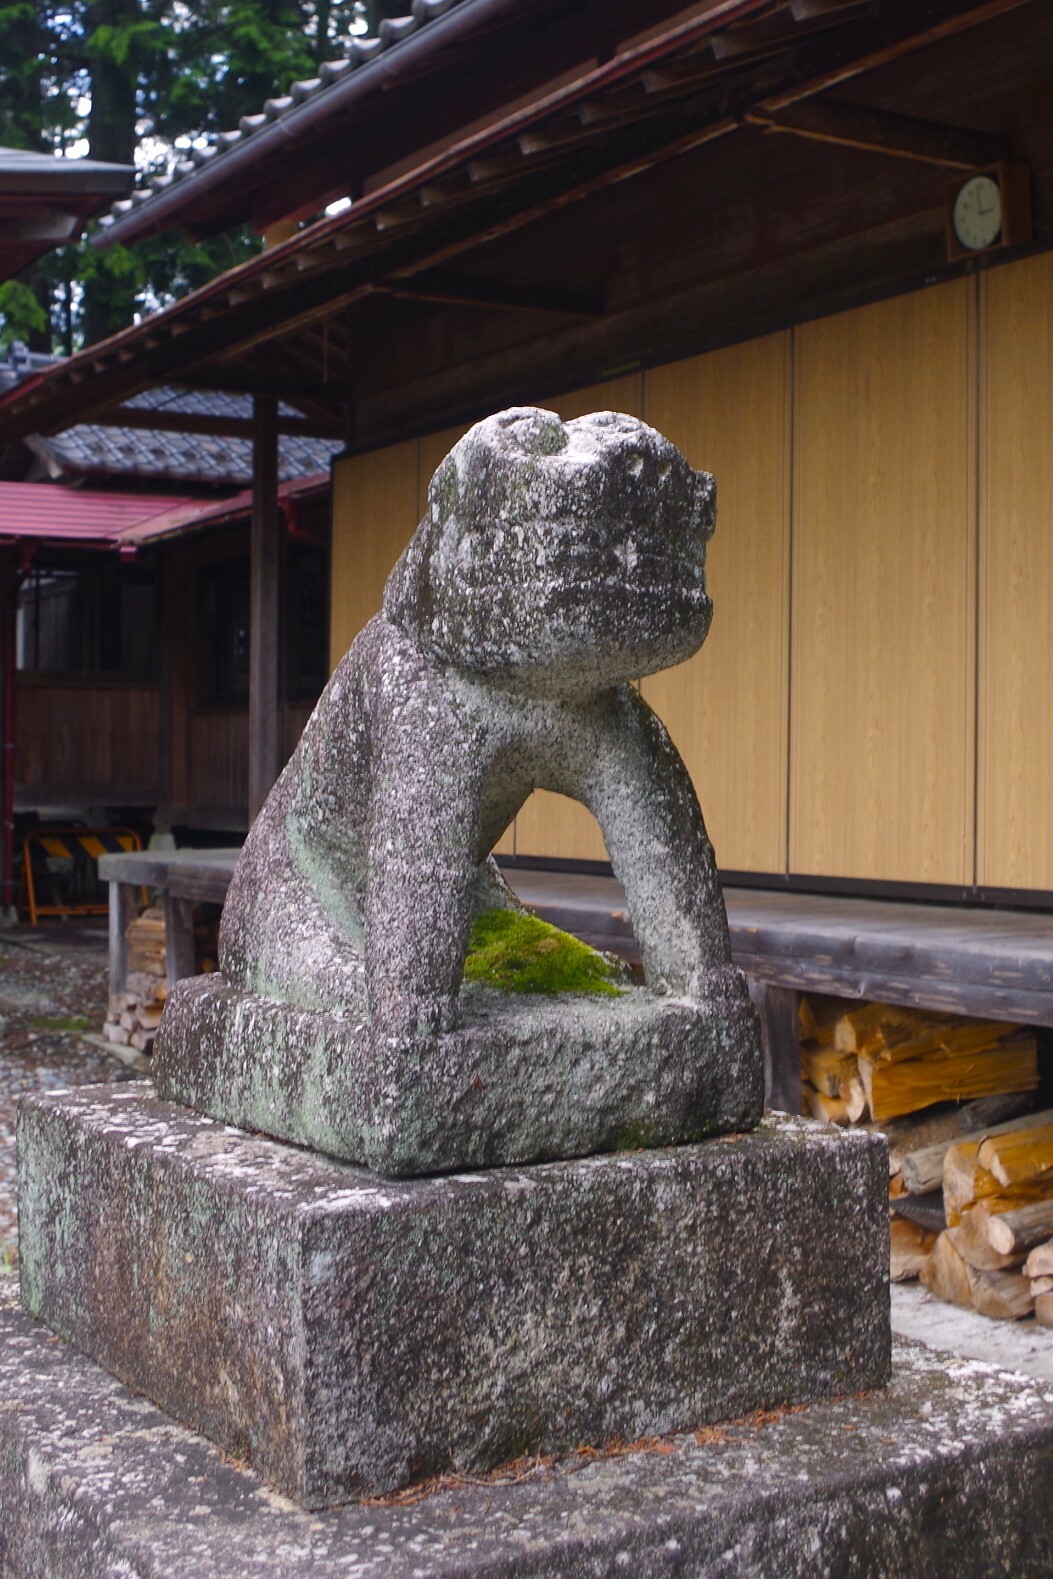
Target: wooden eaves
column 295, row 321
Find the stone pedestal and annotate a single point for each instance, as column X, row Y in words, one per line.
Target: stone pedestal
column 347, row 1333
column 522, row 1080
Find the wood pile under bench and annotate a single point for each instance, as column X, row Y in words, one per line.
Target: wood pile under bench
column 970, row 1162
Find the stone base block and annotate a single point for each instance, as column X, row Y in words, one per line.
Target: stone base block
column 347, row 1333
column 947, row 1471
column 523, row 1080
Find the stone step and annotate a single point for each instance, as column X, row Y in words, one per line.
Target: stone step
column 949, row 1470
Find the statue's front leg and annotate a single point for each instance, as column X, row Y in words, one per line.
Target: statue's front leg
column 642, row 796
column 421, row 883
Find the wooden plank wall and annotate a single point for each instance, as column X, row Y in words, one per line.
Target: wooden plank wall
column 876, row 697
column 1015, row 825
column 882, row 666
column 726, row 708
column 74, row 738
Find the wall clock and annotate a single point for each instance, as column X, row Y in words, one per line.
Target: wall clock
column 988, row 209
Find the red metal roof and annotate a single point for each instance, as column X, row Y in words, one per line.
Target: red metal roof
column 44, row 511
column 71, row 515
column 186, row 515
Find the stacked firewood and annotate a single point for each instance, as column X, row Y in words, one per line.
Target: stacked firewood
column 995, row 1253
column 135, row 1013
column 970, row 1168
column 874, row 1061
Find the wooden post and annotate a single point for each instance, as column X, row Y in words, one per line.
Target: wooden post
column 9, row 616
column 264, row 733
column 179, row 938
column 123, row 908
column 780, row 1039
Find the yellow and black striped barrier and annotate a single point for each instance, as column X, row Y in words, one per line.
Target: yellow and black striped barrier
column 57, row 859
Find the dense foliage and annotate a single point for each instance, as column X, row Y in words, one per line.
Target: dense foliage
column 127, row 81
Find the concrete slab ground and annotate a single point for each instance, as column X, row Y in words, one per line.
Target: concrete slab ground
column 1021, row 1346
column 949, row 1470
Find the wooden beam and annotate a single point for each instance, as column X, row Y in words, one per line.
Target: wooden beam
column 813, row 10
column 882, row 131
column 457, row 289
column 265, row 538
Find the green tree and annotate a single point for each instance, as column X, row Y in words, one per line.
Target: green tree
column 131, row 80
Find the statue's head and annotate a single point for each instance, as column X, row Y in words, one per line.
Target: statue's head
column 559, row 557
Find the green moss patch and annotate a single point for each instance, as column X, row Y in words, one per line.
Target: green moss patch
column 521, row 953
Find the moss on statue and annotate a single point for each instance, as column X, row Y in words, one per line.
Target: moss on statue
column 520, row 953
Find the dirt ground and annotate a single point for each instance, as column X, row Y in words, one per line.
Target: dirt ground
column 53, row 981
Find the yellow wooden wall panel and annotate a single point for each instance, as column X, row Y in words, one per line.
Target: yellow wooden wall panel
column 553, row 825
column 375, row 499
column 726, row 708
column 1015, row 827
column 882, row 667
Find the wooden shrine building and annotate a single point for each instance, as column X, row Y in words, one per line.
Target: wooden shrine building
column 765, row 227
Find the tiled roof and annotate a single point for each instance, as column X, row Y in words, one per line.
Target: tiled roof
column 361, row 51
column 89, row 450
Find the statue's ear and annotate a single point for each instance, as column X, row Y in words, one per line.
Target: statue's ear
column 409, row 598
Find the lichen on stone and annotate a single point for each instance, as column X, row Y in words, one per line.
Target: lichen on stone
column 518, row 952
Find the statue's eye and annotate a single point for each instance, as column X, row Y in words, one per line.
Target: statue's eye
column 634, row 465
column 664, row 469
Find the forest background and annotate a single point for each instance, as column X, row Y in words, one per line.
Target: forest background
column 142, row 82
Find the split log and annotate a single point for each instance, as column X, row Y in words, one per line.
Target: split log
column 1040, row 1261
column 875, row 1027
column 944, row 1124
column 826, row 1068
column 964, row 1182
column 973, row 1243
column 1022, row 1154
column 1044, row 1309
column 1005, row 1296
column 832, row 1109
column 1042, row 1285
column 896, row 1088
column 910, row 1246
column 947, row 1039
column 945, row 1273
column 1017, row 1232
column 853, row 1094
column 923, row 1168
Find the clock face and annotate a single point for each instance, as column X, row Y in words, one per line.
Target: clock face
column 978, row 213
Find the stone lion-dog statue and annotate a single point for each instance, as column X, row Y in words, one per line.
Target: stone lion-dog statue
column 557, row 563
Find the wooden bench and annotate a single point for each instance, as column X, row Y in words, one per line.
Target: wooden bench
column 185, row 878
column 996, row 964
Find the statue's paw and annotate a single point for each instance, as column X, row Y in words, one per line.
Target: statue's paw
column 718, row 984
column 413, row 1015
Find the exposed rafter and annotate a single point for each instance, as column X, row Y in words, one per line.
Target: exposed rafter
column 881, row 131
column 449, row 285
